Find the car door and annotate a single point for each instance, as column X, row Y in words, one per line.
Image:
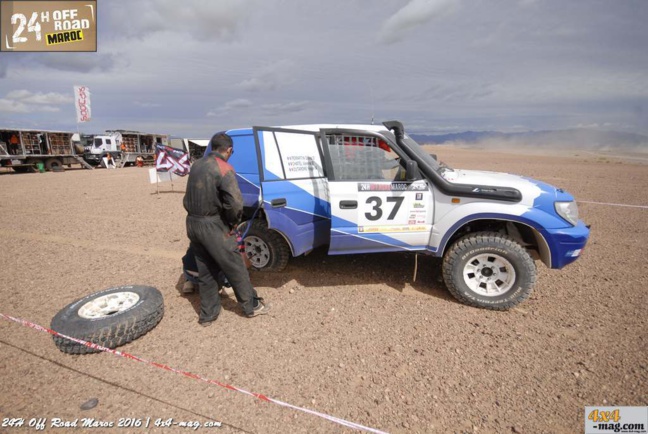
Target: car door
column 373, row 208
column 294, row 186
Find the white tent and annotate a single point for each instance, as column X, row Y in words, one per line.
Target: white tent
column 195, row 147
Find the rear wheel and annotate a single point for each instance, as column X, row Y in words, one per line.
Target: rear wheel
column 266, row 249
column 489, row 270
column 54, row 164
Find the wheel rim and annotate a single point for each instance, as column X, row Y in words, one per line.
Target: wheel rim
column 489, row 275
column 258, row 251
column 108, row 305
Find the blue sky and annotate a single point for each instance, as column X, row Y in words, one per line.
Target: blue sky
column 195, row 67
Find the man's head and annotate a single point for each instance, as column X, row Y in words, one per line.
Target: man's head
column 222, row 143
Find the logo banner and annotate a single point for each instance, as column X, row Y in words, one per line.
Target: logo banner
column 82, row 103
column 27, row 25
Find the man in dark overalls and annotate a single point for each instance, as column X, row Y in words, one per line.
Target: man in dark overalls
column 215, row 207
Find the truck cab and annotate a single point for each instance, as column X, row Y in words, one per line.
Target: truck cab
column 101, row 146
column 367, row 189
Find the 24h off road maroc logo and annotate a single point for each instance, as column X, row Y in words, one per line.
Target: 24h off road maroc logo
column 48, row 25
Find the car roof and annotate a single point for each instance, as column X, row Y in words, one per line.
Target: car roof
column 317, row 127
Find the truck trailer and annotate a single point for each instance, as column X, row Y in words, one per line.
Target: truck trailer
column 24, row 150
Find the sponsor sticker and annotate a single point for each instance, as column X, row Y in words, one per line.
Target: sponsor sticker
column 27, row 25
column 393, row 186
column 379, row 229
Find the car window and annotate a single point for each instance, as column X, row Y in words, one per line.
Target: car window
column 356, row 157
column 300, row 155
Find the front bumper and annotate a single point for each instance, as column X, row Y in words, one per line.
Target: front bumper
column 92, row 158
column 567, row 244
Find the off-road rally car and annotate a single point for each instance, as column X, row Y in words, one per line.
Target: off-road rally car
column 369, row 188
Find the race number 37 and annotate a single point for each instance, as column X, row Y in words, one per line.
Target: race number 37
column 376, row 204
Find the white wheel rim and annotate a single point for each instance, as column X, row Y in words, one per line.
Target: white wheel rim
column 108, row 305
column 258, row 251
column 489, row 274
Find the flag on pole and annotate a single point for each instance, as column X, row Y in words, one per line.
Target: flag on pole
column 82, row 103
column 168, row 159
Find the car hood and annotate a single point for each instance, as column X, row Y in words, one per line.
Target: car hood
column 534, row 193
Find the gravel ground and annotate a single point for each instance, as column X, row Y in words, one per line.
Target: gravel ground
column 351, row 336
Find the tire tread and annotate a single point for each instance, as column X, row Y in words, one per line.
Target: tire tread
column 278, row 246
column 479, row 239
column 131, row 326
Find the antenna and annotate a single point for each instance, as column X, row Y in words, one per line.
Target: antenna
column 372, row 104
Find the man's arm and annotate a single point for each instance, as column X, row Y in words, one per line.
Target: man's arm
column 231, row 199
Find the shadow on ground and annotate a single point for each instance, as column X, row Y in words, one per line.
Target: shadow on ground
column 395, row 270
column 318, row 269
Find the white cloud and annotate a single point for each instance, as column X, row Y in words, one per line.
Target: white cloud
column 25, row 101
column 257, row 84
column 237, row 104
column 146, row 104
column 412, row 15
column 27, row 97
column 19, row 94
column 77, row 62
column 282, row 108
column 269, row 77
column 266, row 109
column 14, row 106
column 200, row 19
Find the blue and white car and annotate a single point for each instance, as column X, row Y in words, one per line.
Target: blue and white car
column 369, row 188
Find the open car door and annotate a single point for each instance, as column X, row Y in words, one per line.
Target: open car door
column 293, row 184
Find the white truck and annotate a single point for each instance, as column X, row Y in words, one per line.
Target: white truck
column 102, row 146
column 124, row 146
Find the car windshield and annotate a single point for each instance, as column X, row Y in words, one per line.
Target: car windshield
column 427, row 158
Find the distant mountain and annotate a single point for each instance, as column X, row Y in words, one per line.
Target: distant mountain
column 573, row 139
column 465, row 137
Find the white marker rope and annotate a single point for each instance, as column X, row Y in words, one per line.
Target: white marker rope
column 194, row 376
column 614, row 204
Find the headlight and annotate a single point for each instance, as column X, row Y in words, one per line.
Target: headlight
column 568, row 211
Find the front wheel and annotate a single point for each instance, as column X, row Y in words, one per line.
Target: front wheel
column 489, row 270
column 266, row 249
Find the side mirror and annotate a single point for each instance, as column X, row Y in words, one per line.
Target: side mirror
column 411, row 171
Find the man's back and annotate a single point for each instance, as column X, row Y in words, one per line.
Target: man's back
column 212, row 190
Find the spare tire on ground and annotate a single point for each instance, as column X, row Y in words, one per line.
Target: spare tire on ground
column 110, row 318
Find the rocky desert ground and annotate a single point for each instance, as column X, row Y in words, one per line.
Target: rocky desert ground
column 350, row 336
